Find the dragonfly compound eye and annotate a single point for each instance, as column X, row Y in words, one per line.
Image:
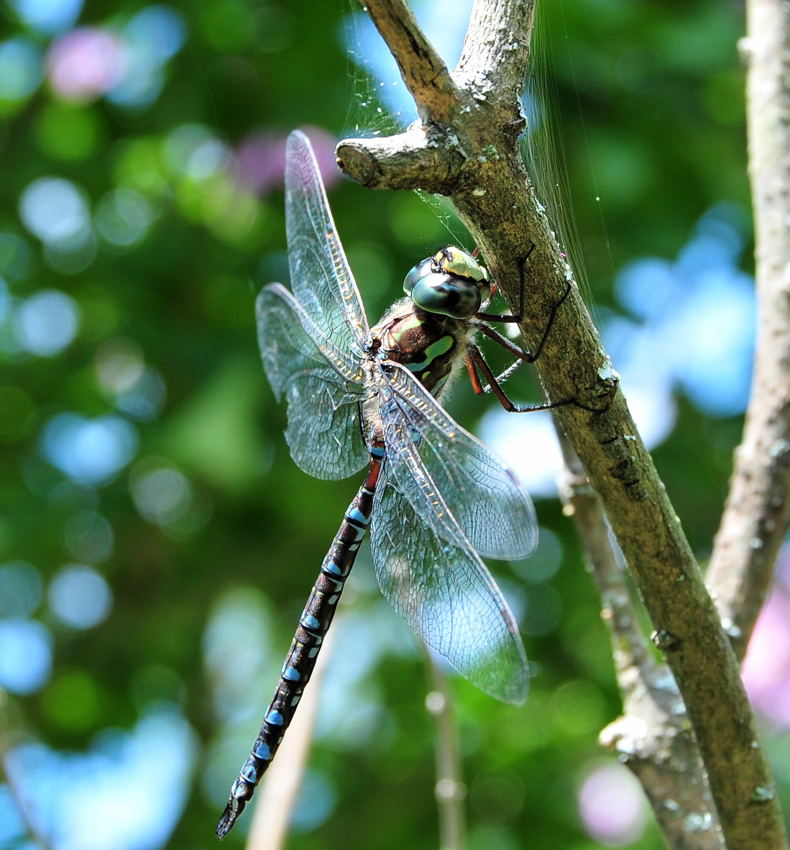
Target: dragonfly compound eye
column 447, row 294
column 416, row 273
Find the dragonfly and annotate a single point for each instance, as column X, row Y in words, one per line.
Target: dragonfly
column 434, row 497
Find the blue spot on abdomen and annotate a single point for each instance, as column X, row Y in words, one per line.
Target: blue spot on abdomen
column 291, row 674
column 310, row 622
column 262, row 750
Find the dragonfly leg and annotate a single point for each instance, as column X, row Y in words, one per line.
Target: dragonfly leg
column 474, row 375
column 509, row 345
column 504, row 342
column 522, row 296
column 477, row 364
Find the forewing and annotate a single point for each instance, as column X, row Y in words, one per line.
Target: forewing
column 320, row 276
column 323, row 388
column 447, row 473
column 447, row 595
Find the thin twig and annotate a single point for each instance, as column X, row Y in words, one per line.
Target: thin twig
column 652, row 737
column 425, row 72
column 487, row 181
column 450, row 789
column 756, row 515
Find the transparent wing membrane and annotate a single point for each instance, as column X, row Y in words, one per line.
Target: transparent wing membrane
column 443, row 470
column 322, row 386
column 447, row 595
column 320, row 276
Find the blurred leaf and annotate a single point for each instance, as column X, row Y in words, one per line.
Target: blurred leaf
column 214, row 434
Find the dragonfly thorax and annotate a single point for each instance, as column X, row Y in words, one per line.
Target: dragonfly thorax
column 451, row 283
column 429, row 345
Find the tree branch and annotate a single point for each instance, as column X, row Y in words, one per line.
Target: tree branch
column 652, row 737
column 496, row 67
column 402, row 161
column 758, row 506
column 421, row 67
column 491, row 192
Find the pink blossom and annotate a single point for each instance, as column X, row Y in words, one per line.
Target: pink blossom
column 85, row 63
column 611, row 805
column 766, row 668
column 260, row 159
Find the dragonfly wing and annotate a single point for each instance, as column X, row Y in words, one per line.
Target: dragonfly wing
column 443, row 470
column 320, row 276
column 447, row 595
column 323, row 387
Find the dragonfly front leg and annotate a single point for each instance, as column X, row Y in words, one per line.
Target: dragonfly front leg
column 522, row 296
column 508, row 345
column 477, row 364
column 504, row 342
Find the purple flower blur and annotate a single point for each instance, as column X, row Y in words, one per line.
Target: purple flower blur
column 125, row 64
column 766, row 668
column 611, row 805
column 260, row 159
column 86, row 63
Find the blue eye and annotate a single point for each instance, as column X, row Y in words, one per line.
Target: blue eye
column 447, row 294
column 451, row 283
column 416, row 273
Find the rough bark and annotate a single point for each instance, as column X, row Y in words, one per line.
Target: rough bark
column 653, row 737
column 755, row 518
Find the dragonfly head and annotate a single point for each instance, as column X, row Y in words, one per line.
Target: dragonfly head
column 451, row 282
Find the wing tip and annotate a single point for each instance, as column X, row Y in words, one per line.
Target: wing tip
column 299, row 154
column 512, row 691
column 266, row 292
column 297, row 138
column 517, row 692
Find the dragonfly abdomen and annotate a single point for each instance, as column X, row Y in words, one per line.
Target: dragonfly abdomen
column 313, row 625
